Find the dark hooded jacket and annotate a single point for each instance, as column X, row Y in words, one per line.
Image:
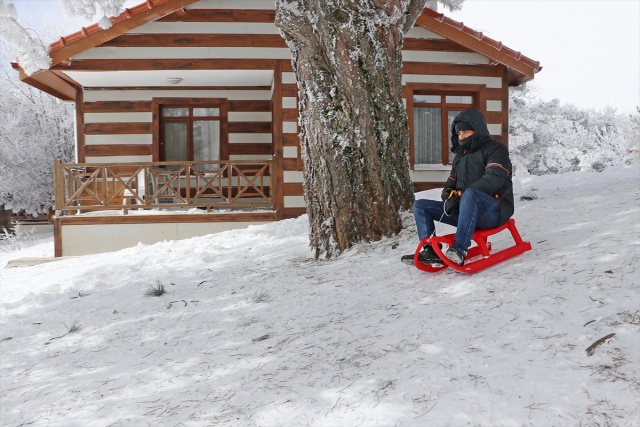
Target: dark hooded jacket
column 485, row 166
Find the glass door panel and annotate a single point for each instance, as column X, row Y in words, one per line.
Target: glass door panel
column 175, row 146
column 428, row 135
column 206, row 141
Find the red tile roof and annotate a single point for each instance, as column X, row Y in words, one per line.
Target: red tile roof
column 497, row 45
column 94, row 28
column 459, row 26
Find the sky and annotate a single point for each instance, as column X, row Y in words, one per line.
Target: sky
column 252, row 331
column 589, row 49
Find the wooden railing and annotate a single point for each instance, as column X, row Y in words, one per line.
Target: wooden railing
column 123, row 186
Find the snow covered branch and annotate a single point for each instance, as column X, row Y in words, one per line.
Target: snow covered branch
column 549, row 137
column 25, row 46
column 90, row 8
column 21, row 43
column 452, row 5
column 34, row 129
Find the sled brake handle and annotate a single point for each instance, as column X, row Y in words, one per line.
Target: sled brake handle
column 459, row 194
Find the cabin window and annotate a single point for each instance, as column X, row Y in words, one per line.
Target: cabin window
column 433, row 114
column 191, row 130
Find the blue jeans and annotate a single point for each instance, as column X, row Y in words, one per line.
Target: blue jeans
column 477, row 210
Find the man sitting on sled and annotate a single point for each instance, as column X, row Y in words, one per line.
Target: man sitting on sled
column 477, row 195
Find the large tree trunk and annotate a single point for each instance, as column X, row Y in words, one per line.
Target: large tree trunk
column 354, row 134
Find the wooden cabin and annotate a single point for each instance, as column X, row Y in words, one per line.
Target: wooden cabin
column 186, row 117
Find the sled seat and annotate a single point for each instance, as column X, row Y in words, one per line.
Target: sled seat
column 482, row 249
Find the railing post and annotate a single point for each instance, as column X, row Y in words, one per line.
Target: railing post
column 147, row 183
column 187, row 181
column 269, row 163
column 230, row 182
column 58, row 185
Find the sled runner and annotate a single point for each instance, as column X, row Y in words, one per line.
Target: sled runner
column 482, row 248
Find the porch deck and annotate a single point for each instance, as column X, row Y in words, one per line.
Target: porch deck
column 106, row 207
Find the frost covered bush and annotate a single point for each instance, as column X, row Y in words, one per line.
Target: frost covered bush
column 16, row 240
column 548, row 137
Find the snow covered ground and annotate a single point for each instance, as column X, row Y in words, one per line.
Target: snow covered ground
column 252, row 331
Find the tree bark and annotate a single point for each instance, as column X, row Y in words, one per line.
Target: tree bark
column 354, row 133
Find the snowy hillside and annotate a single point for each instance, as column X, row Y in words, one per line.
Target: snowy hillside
column 254, row 332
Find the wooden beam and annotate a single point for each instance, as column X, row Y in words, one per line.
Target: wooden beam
column 249, row 105
column 290, row 164
column 290, row 89
column 249, row 127
column 173, row 88
column 289, row 115
column 444, row 69
column 124, row 128
column 437, row 45
column 250, row 148
column 494, row 94
column 165, row 64
column 292, row 212
column 293, row 189
column 222, row 15
column 164, row 219
column 47, row 81
column 80, row 138
column 423, row 186
column 196, row 40
column 117, row 107
column 290, row 140
column 118, row 150
column 276, row 117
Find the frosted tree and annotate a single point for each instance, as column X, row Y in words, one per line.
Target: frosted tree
column 34, row 129
column 90, row 8
column 551, row 137
column 25, row 46
column 20, row 43
column 354, row 136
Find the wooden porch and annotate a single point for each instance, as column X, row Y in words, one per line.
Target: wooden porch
column 208, row 185
column 102, row 207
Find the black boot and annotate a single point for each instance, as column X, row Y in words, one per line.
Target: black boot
column 427, row 257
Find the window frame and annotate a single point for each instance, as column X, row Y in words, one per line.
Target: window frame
column 477, row 92
column 159, row 103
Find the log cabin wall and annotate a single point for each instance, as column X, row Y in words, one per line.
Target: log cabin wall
column 292, row 176
column 118, row 124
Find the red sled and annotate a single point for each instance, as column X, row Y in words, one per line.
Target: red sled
column 482, row 248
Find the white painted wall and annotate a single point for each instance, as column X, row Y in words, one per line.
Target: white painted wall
column 91, row 239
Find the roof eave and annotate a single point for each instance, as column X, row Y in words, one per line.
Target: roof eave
column 521, row 68
column 49, row 82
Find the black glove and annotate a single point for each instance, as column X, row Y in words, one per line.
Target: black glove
column 452, row 201
column 446, row 192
